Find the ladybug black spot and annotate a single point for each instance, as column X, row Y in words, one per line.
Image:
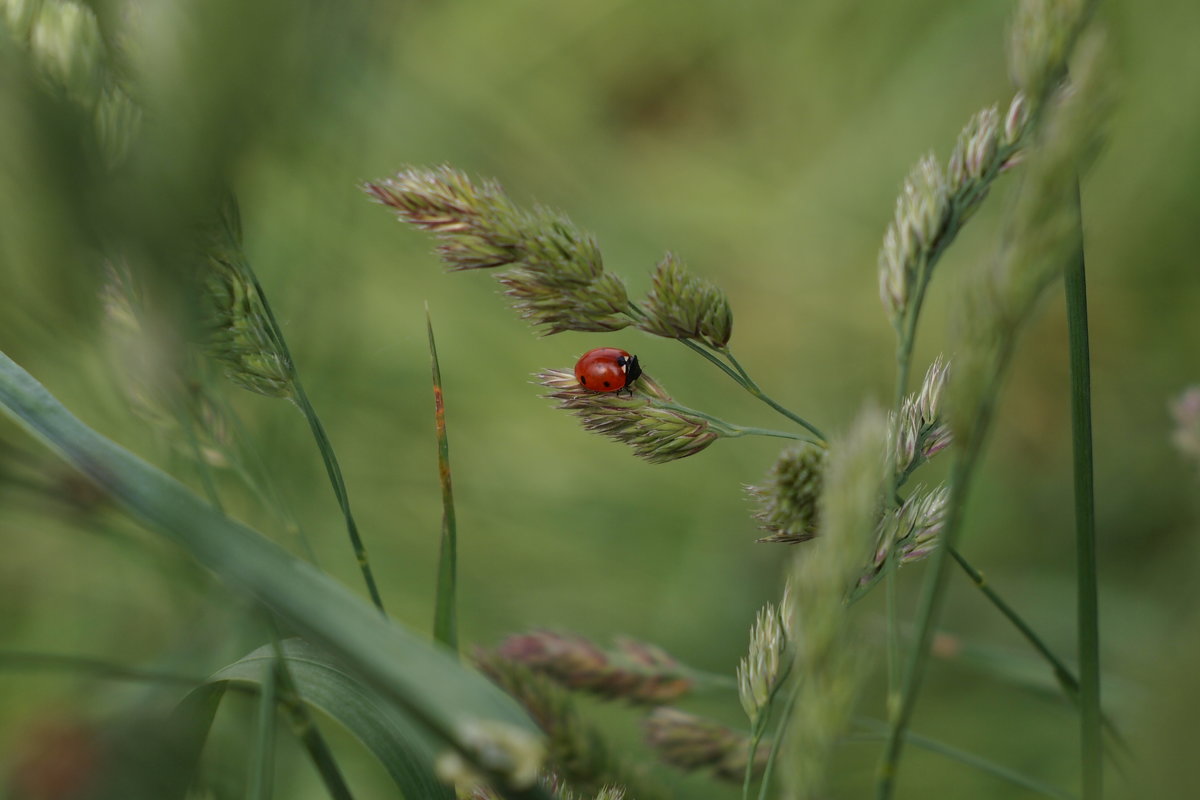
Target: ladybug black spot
column 607, row 385
column 583, row 380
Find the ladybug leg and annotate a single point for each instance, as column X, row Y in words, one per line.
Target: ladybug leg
column 625, row 392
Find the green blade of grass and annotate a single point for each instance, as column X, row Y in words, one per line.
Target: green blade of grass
column 878, row 731
column 404, row 750
column 262, row 769
column 445, row 620
column 442, row 697
column 1087, row 609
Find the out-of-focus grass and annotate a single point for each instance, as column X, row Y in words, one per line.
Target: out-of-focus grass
column 763, row 143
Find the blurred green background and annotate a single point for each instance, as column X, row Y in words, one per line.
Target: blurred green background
column 764, row 143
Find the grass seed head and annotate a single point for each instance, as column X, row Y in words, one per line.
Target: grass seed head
column 691, row 743
column 646, row 420
column 922, row 209
column 683, row 306
column 635, row 671
column 787, row 500
column 913, row 528
column 760, row 672
column 555, row 276
column 918, row 431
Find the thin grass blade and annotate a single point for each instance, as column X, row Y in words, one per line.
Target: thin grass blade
column 445, row 620
column 262, row 768
column 1087, row 607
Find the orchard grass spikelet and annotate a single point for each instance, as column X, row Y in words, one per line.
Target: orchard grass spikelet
column 913, row 528
column 682, row 306
column 242, row 334
column 918, row 431
column 635, row 671
column 692, row 743
column 762, row 669
column 787, row 500
column 657, row 429
column 922, row 208
column 556, row 277
column 932, row 207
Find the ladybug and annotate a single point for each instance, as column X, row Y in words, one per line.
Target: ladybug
column 607, row 369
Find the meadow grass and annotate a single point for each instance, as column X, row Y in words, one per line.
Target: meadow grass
column 839, row 509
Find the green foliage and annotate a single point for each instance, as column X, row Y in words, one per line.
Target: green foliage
column 764, row 147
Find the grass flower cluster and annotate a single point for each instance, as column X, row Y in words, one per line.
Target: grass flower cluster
column 787, row 502
column 634, row 671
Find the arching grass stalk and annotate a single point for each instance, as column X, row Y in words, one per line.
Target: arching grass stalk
column 742, row 378
column 94, row 667
column 732, row 430
column 246, row 337
column 736, row 373
column 755, row 390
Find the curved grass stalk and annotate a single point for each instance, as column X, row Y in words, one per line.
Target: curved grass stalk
column 732, row 430
column 332, row 467
column 95, row 667
column 738, row 374
column 755, row 390
column 879, row 732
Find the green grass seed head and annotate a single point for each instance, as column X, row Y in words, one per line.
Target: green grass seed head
column 555, row 276
column 683, row 306
column 787, row 500
column 693, row 743
column 646, row 420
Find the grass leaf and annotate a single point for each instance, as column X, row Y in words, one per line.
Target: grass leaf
column 406, row 751
column 445, row 620
column 445, row 699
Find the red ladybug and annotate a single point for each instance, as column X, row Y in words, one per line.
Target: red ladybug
column 607, row 369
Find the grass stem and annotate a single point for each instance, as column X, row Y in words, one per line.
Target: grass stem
column 755, row 390
column 1087, row 609
column 339, row 489
column 262, row 773
column 878, row 730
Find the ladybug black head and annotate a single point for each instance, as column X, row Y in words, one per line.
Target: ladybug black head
column 633, row 370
